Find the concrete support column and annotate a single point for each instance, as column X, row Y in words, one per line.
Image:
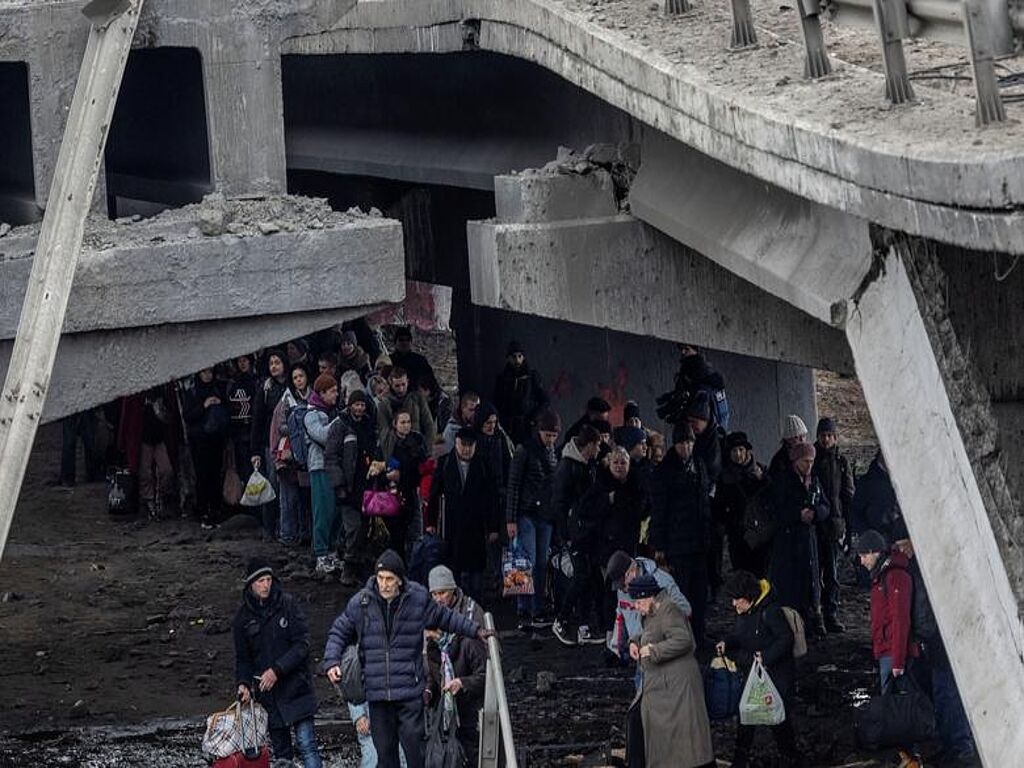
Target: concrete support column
column 913, row 377
column 245, row 114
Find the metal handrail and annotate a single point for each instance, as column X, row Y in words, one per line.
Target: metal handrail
column 495, row 703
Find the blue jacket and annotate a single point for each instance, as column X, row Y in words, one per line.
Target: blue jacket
column 392, row 662
column 318, row 427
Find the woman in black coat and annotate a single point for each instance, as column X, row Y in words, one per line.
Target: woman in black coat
column 207, row 419
column 272, row 662
column 762, row 630
column 798, row 504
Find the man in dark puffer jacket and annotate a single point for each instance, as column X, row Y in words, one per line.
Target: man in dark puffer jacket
column 387, row 618
column 272, row 656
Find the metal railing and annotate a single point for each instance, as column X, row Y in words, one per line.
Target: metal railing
column 495, row 719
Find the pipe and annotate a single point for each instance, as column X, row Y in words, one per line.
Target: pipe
column 504, row 717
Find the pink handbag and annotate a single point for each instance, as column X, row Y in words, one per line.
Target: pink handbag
column 381, row 504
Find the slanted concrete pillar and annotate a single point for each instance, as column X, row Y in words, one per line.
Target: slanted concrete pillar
column 924, row 404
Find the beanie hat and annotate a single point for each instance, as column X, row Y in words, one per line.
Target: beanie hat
column 871, row 541
column 257, row 568
column 743, row 584
column 827, row 426
column 682, row 433
column 643, row 586
column 699, row 407
column 549, row 422
column 618, row 564
column 441, row 579
column 513, row 348
column 630, row 437
column 390, row 561
column 403, row 333
column 735, row 439
column 357, row 396
column 631, row 410
column 801, row 451
column 598, row 405
column 324, row 382
column 602, row 426
column 794, row 427
column 350, row 337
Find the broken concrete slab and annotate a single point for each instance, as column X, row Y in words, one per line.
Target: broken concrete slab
column 538, row 196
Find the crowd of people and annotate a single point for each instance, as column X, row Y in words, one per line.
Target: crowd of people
column 625, row 533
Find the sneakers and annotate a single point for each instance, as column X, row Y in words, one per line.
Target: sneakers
column 349, row 577
column 562, row 633
column 541, row 622
column 326, row 565
column 585, row 637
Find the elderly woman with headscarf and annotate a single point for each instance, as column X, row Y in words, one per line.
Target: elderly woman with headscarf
column 676, row 731
column 798, row 504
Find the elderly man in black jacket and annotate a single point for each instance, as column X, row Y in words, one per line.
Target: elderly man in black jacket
column 465, row 492
column 680, row 529
column 272, row 657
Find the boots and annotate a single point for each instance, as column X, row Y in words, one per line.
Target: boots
column 817, row 628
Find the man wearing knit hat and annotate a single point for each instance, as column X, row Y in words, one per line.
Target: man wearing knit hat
column 352, row 357
column 680, row 529
column 794, row 432
column 387, row 619
column 458, row 665
column 832, row 469
column 597, row 409
column 519, row 395
column 272, row 662
column 530, row 513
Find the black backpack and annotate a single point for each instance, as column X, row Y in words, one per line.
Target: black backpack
column 922, row 618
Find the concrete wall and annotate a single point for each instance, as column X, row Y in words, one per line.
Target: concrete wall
column 577, row 362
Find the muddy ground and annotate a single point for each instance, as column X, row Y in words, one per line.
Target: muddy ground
column 116, row 645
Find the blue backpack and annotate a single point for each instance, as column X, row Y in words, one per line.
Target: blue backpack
column 297, row 436
column 720, row 404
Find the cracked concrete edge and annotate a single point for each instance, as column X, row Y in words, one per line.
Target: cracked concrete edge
column 814, row 161
column 957, row 538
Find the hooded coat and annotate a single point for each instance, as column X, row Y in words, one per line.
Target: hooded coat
column 273, row 634
column 611, row 512
column 892, row 591
column 531, row 475
column 763, row 629
column 832, row 469
column 573, row 477
column 677, row 733
column 390, row 637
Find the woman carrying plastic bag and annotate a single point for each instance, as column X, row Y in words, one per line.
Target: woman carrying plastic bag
column 761, row 644
column 257, row 491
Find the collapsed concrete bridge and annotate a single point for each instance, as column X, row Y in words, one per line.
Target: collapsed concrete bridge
column 787, row 221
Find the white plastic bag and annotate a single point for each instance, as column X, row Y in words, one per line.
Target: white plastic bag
column 257, row 491
column 237, row 728
column 761, row 703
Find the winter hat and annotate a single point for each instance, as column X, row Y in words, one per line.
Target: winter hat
column 257, row 568
column 390, row 561
column 484, row 411
column 598, row 405
column 643, row 586
column 357, row 396
column 682, row 433
column 631, row 436
column 441, row 579
column 324, row 382
column 827, row 426
column 618, row 564
column 549, row 422
column 736, row 439
column 350, row 337
column 631, row 410
column 403, row 333
column 699, row 407
column 794, row 427
column 602, row 427
column 871, row 541
column 743, row 584
column 513, row 348
column 801, row 451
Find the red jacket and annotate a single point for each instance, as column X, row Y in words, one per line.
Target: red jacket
column 892, row 591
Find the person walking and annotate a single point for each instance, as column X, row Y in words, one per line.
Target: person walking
column 677, row 732
column 387, row 619
column 272, row 663
column 519, row 395
column 740, row 486
column 761, row 630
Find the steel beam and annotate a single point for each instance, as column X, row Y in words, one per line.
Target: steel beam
column 60, row 240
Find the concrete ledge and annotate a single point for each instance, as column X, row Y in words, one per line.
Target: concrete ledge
column 620, row 274
column 538, row 196
column 915, row 169
column 164, row 271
